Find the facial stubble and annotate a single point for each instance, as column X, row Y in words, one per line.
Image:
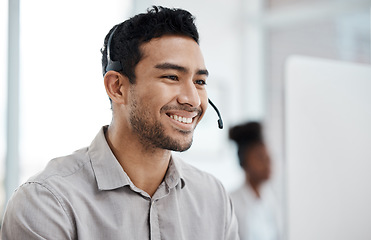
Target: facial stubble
column 151, row 132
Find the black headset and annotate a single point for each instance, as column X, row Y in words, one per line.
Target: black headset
column 117, row 66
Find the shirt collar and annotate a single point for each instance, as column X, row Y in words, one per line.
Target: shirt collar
column 109, row 173
column 174, row 173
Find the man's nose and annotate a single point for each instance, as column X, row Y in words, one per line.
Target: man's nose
column 188, row 94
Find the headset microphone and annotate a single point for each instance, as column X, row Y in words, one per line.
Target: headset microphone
column 117, row 66
column 220, row 121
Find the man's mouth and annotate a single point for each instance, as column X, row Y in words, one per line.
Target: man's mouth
column 181, row 119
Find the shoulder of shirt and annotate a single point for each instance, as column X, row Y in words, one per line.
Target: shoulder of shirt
column 193, row 175
column 61, row 167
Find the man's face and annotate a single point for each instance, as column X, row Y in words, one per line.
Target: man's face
column 169, row 97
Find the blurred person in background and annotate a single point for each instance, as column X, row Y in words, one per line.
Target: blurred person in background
column 254, row 201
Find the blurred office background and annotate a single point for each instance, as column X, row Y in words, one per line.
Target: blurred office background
column 52, row 98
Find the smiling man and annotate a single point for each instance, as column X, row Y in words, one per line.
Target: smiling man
column 127, row 184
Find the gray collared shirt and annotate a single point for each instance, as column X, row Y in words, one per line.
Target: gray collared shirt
column 87, row 195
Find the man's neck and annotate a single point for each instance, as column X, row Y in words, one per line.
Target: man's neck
column 145, row 167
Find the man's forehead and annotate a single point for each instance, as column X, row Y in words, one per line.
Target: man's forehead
column 167, row 42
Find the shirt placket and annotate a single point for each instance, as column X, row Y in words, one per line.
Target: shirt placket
column 153, row 221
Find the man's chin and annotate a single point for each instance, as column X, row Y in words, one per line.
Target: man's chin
column 180, row 146
column 183, row 149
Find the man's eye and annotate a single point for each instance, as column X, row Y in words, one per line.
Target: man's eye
column 200, row 82
column 171, row 77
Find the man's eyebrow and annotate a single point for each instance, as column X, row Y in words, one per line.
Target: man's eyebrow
column 203, row 72
column 166, row 66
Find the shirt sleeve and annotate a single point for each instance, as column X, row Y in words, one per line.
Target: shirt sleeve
column 35, row 212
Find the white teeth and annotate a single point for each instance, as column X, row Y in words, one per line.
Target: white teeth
column 181, row 119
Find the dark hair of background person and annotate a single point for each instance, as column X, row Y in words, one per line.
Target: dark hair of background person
column 130, row 34
column 246, row 136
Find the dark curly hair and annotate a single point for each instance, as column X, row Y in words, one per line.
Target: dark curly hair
column 130, row 34
column 246, row 135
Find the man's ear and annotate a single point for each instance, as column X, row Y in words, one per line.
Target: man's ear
column 117, row 86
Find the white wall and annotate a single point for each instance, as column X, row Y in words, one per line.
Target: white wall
column 328, row 149
column 62, row 96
